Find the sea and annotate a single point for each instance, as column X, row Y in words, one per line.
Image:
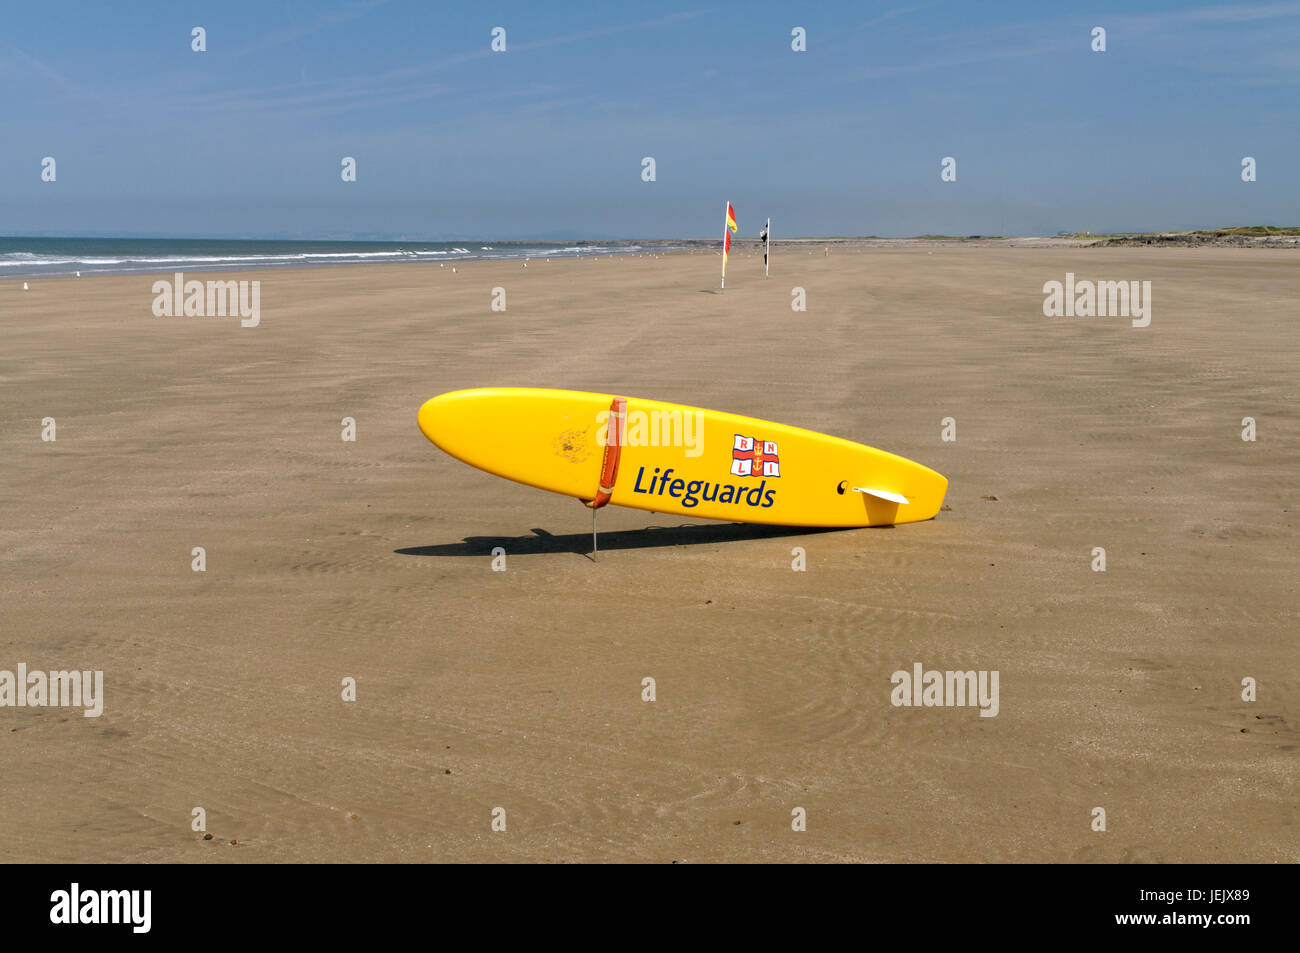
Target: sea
column 56, row 257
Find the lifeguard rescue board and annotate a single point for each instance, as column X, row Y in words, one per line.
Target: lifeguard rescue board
column 670, row 458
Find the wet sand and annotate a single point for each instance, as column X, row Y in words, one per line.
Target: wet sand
column 523, row 689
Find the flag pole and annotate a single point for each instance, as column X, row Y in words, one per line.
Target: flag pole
column 767, row 247
column 725, row 209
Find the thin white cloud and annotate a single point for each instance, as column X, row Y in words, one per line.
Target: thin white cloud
column 660, row 23
column 1226, row 13
column 33, row 63
column 403, row 84
column 295, row 33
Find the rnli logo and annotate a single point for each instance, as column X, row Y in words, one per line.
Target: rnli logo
column 754, row 458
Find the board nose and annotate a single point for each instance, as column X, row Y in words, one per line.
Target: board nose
column 431, row 414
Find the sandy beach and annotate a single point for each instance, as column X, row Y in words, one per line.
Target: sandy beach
column 522, row 689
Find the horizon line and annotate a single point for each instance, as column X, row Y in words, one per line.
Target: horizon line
column 555, row 241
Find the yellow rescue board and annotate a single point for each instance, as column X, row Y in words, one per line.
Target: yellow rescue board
column 681, row 460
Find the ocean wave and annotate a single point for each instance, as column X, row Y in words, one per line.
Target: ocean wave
column 17, row 259
column 59, row 257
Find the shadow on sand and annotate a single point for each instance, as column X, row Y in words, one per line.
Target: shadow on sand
column 686, row 534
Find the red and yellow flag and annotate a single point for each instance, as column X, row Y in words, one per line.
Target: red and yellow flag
column 726, row 237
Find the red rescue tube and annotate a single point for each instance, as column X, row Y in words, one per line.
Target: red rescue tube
column 615, row 434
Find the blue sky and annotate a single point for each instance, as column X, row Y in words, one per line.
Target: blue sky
column 546, row 140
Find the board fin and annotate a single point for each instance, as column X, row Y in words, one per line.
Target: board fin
column 882, row 494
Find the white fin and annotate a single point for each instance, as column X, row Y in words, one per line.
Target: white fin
column 883, row 494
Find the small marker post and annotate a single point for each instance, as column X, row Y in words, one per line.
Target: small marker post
column 767, row 247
